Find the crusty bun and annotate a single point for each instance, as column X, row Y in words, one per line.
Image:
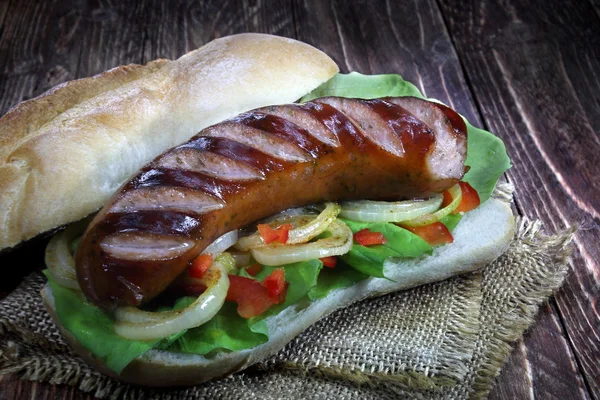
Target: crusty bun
column 481, row 237
column 64, row 153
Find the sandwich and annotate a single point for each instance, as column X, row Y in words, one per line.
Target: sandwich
column 309, row 192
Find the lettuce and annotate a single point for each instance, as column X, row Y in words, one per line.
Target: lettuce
column 94, row 330
column 400, row 243
column 227, row 331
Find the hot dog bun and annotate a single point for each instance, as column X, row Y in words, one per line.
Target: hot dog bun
column 64, row 153
column 482, row 236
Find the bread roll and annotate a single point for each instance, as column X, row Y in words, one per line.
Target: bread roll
column 64, row 153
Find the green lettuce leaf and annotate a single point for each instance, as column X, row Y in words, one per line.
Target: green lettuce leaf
column 301, row 276
column 93, row 328
column 486, row 154
column 364, row 87
column 225, row 331
column 400, row 243
column 230, row 332
column 451, row 221
column 342, row 276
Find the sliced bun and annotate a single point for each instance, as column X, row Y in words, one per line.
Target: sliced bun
column 482, row 236
column 64, row 153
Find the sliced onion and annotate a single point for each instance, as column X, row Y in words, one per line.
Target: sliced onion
column 59, row 255
column 133, row 323
column 384, row 211
column 221, row 244
column 429, row 219
column 339, row 243
column 242, row 259
column 306, row 228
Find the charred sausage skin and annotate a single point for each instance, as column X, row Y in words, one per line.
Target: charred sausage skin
column 255, row 165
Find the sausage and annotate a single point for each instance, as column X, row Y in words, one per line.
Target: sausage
column 255, row 165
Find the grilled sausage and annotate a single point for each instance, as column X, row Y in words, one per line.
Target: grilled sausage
column 255, row 165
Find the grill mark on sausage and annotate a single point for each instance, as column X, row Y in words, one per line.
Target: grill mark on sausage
column 145, row 246
column 166, row 222
column 304, row 120
column 262, row 162
column 337, row 123
column 166, row 198
column 286, row 130
column 258, row 139
column 209, row 163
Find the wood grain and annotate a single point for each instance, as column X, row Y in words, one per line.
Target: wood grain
column 47, row 50
column 527, row 83
column 113, row 36
column 197, row 23
column 528, row 73
column 424, row 54
column 410, row 39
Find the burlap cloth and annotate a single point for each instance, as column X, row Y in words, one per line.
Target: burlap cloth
column 444, row 340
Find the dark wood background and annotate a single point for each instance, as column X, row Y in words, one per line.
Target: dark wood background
column 529, row 71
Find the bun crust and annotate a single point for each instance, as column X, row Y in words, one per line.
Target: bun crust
column 481, row 237
column 64, row 153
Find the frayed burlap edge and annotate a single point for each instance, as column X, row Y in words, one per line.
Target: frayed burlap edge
column 548, row 276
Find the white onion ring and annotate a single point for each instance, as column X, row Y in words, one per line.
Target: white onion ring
column 59, row 258
column 221, row 244
column 384, row 211
column 428, row 219
column 133, row 323
column 277, row 254
column 307, row 227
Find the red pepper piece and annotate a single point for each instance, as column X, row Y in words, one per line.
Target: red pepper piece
column 270, row 235
column 470, row 198
column 251, row 296
column 200, row 265
column 275, row 282
column 434, row 234
column 447, row 199
column 365, row 237
column 329, row 262
column 254, row 269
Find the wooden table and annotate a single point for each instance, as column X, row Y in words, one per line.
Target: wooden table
column 529, row 73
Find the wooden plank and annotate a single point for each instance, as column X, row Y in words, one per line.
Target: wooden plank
column 36, row 64
column 423, row 53
column 409, row 39
column 114, row 35
column 522, row 375
column 198, row 22
column 515, row 380
column 534, row 73
column 3, row 9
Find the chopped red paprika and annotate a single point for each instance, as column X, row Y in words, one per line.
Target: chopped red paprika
column 270, row 235
column 470, row 198
column 469, row 201
column 200, row 265
column 329, row 262
column 434, row 234
column 365, row 237
column 447, row 199
column 254, row 269
column 251, row 296
column 275, row 282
